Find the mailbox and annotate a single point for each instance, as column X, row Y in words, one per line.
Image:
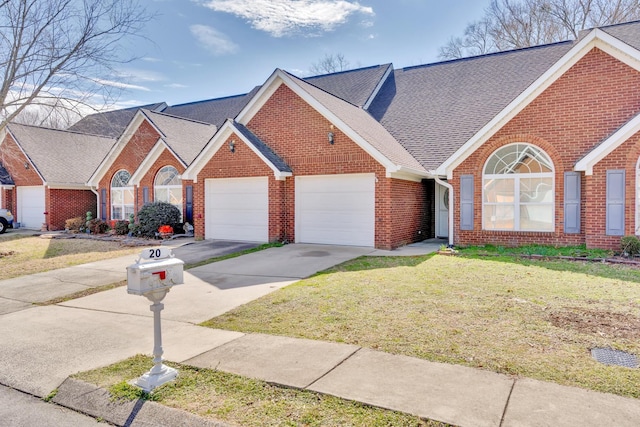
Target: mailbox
column 154, row 273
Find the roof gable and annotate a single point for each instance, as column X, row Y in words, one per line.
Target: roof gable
column 597, row 38
column 353, row 121
column 279, row 167
column 49, row 150
column 111, row 123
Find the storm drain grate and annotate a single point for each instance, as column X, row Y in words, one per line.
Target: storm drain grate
column 609, row 356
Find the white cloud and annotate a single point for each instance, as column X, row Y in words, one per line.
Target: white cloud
column 213, row 40
column 286, row 17
column 176, row 86
column 121, row 85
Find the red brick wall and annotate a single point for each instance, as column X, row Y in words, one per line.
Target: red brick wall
column 65, row 204
column 243, row 162
column 137, row 148
column 298, row 134
column 583, row 107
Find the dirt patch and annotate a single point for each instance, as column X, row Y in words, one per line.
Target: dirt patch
column 6, row 254
column 603, row 323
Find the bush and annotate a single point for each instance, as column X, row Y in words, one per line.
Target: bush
column 630, row 245
column 98, row 226
column 75, row 224
column 121, row 227
column 153, row 215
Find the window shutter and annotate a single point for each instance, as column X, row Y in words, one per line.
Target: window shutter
column 103, row 204
column 145, row 195
column 466, row 202
column 615, row 202
column 189, row 204
column 572, row 202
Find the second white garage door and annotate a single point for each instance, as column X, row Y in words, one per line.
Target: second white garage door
column 336, row 209
column 237, row 209
column 31, row 207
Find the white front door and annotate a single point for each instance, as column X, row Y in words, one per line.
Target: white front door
column 237, row 209
column 442, row 211
column 336, row 209
column 31, row 207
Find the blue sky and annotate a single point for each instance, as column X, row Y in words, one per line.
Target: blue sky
column 202, row 49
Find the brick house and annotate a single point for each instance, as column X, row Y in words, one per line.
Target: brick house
column 146, row 162
column 537, row 145
column 46, row 171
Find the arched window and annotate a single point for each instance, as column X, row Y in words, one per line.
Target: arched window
column 121, row 195
column 167, row 187
column 518, row 183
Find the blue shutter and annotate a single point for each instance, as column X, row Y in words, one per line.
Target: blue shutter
column 145, row 195
column 466, row 202
column 615, row 202
column 103, row 204
column 188, row 204
column 572, row 202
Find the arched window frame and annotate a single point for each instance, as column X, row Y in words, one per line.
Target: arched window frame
column 510, row 214
column 167, row 187
column 122, row 198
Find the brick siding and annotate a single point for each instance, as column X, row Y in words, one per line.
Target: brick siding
column 582, row 108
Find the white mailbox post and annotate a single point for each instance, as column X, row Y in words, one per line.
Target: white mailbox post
column 153, row 275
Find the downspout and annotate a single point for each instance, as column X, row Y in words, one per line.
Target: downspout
column 95, row 191
column 450, row 187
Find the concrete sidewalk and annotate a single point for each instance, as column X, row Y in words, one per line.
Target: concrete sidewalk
column 42, row 346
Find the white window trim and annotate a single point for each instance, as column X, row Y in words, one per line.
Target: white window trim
column 637, row 205
column 122, row 205
column 516, row 199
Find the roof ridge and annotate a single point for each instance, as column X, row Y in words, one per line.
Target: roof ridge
column 75, row 132
column 502, row 52
column 348, row 71
column 211, row 99
column 162, row 113
column 320, row 89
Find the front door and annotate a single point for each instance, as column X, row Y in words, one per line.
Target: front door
column 442, row 211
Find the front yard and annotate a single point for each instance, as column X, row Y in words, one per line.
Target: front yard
column 23, row 254
column 536, row 319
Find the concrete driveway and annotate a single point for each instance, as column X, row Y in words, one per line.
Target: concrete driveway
column 42, row 346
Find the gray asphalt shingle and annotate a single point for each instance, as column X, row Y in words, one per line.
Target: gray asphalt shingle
column 60, row 156
column 111, row 123
column 185, row 137
column 432, row 110
column 266, row 151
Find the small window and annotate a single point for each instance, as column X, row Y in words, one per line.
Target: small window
column 167, row 187
column 121, row 195
column 518, row 190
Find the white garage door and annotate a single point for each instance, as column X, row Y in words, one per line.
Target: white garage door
column 31, row 207
column 336, row 209
column 237, row 209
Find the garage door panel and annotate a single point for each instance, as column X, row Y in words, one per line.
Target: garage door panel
column 336, row 209
column 237, row 209
column 31, row 207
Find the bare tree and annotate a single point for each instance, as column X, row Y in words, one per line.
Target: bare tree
column 515, row 24
column 331, row 63
column 61, row 54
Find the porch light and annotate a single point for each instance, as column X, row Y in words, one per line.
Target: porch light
column 232, row 146
column 330, row 138
column 26, row 165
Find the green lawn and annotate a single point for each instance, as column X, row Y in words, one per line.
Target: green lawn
column 535, row 319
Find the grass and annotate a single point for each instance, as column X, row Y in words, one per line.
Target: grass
column 21, row 255
column 242, row 401
column 545, row 251
column 536, row 319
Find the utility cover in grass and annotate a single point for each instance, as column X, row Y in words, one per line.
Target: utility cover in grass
column 609, row 356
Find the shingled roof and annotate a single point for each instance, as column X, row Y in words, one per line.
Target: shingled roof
column 628, row 32
column 53, row 151
column 361, row 122
column 263, row 148
column 213, row 111
column 185, row 137
column 111, row 123
column 353, row 86
column 432, row 110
